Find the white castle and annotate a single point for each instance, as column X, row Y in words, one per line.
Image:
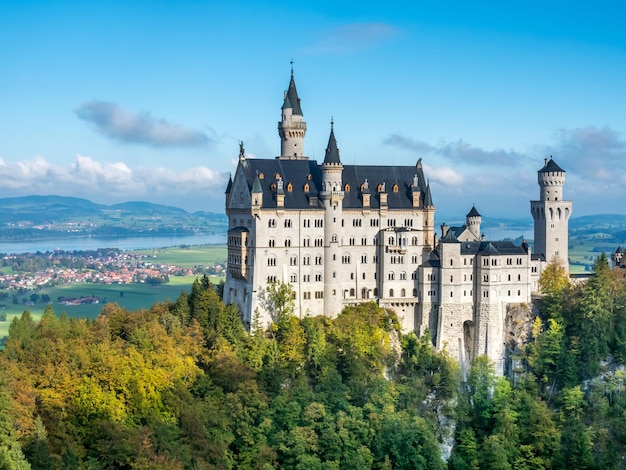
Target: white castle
column 345, row 234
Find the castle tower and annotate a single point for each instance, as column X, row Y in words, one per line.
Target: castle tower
column 332, row 195
column 292, row 128
column 473, row 220
column 551, row 214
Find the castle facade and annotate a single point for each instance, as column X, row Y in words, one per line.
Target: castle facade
column 345, row 234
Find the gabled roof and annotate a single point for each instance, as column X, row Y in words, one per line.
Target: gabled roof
column 332, row 152
column 291, row 98
column 301, row 174
column 550, row 166
column 492, row 248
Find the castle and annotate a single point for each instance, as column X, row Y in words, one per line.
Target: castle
column 345, row 234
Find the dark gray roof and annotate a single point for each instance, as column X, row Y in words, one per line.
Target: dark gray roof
column 238, row 230
column 550, row 166
column 229, row 186
column 398, row 182
column 256, row 186
column 432, row 263
column 491, row 248
column 291, row 98
column 473, row 213
column 428, row 199
column 619, row 249
column 332, row 152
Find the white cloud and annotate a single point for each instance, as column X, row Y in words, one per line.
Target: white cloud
column 112, row 182
column 123, row 125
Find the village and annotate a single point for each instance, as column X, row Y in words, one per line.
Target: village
column 108, row 266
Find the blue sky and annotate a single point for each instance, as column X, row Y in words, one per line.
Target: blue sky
column 117, row 101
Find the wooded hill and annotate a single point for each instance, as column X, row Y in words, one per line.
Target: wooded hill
column 182, row 385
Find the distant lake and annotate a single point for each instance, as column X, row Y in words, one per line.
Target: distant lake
column 123, row 243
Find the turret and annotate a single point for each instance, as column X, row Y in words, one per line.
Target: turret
column 551, row 214
column 291, row 128
column 473, row 220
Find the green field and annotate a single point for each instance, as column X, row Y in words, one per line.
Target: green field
column 129, row 296
column 204, row 255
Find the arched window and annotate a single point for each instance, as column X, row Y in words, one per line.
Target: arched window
column 289, row 187
column 403, row 293
column 261, row 176
column 346, row 187
column 395, row 188
column 306, row 187
column 352, row 292
column 390, row 292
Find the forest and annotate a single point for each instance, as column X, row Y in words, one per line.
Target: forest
column 183, row 385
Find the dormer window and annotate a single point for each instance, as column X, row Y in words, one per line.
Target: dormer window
column 306, row 187
column 273, row 186
column 289, row 187
column 346, row 187
column 261, row 176
column 277, row 176
column 395, row 188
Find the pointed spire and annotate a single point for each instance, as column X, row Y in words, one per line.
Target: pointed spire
column 291, row 96
column 229, row 186
column 550, row 166
column 332, row 152
column 428, row 199
column 473, row 212
column 256, row 187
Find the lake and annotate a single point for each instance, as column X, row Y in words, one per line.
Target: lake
column 123, row 243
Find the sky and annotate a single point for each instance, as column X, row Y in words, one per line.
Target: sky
column 148, row 100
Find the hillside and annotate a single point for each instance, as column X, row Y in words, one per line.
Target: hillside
column 45, row 217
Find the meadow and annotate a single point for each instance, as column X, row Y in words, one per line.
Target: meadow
column 129, row 296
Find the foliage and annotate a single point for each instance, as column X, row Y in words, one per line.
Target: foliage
column 184, row 385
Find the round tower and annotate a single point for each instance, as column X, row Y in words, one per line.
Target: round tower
column 291, row 128
column 332, row 195
column 551, row 214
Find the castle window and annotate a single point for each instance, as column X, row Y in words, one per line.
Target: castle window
column 519, row 292
column 403, row 293
column 287, row 223
column 319, row 294
column 363, row 259
column 508, row 293
column 391, row 276
column 485, row 293
column 486, row 262
column 309, row 176
column 306, row 223
column 414, row 241
column 345, row 259
column 451, row 294
column 289, row 187
column 287, row 242
column 271, row 261
column 306, row 260
column 277, row 176
column 395, row 188
column 363, row 241
column 403, row 276
column 272, row 243
column 306, row 278
column 351, row 241
column 486, row 278
column 352, row 292
column 519, row 277
column 293, row 278
column 271, row 223
column 509, row 277
column 363, row 276
column 306, row 242
column 318, row 260
column 346, row 187
column 318, row 278
column 451, row 262
column 306, row 295
column 380, row 188
column 293, row 261
column 306, row 187
column 494, row 262
column 451, row 279
column 390, row 292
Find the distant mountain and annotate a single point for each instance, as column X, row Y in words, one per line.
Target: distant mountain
column 41, row 217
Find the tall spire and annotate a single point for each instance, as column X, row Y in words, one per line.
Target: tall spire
column 332, row 152
column 291, row 96
column 292, row 128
